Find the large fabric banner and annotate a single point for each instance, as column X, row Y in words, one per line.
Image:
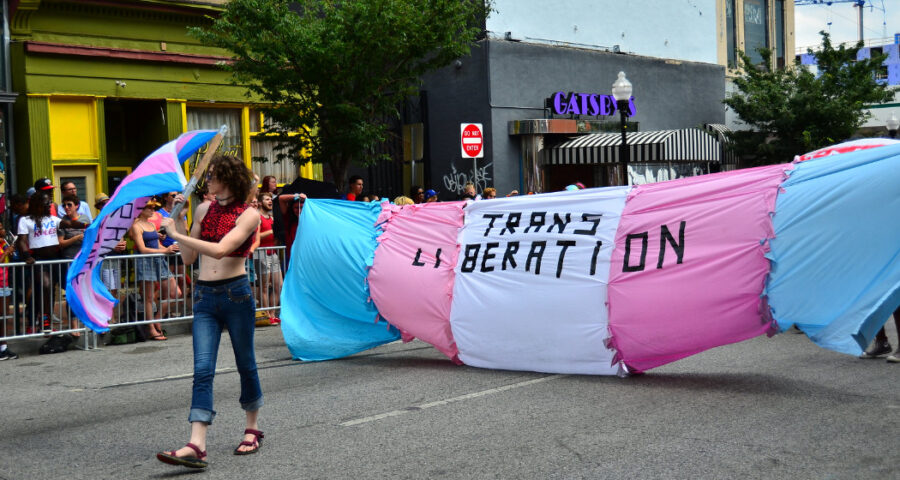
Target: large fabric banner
column 326, row 310
column 690, row 265
column 160, row 172
column 411, row 279
column 530, row 291
column 836, row 252
column 611, row 280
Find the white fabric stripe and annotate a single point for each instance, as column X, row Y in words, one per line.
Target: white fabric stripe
column 562, row 327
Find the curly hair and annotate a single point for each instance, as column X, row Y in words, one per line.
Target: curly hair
column 232, row 172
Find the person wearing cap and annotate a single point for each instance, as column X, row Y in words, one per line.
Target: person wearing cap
column 44, row 185
column 68, row 188
column 431, row 196
column 38, row 241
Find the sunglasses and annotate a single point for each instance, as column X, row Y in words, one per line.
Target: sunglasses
column 69, row 204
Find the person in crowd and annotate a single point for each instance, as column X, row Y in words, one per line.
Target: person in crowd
column 18, row 205
column 71, row 233
column 151, row 271
column 38, row 240
column 69, row 188
column 513, row 193
column 18, row 210
column 417, row 194
column 221, row 236
column 176, row 265
column 46, row 186
column 404, row 200
column 431, row 196
column 881, row 346
column 489, row 193
column 354, row 188
column 291, row 206
column 269, row 262
column 6, row 251
column 270, row 185
column 111, row 269
column 468, row 192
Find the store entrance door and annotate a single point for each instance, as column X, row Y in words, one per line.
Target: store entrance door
column 85, row 179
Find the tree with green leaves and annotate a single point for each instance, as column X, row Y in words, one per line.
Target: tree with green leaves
column 334, row 71
column 793, row 111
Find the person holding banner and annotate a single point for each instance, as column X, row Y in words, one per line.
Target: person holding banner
column 222, row 236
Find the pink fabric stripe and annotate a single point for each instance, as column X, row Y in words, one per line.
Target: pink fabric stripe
column 410, row 293
column 659, row 315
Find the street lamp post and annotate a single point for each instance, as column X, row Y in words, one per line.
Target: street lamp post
column 892, row 124
column 621, row 90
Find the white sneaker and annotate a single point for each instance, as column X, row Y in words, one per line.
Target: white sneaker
column 894, row 357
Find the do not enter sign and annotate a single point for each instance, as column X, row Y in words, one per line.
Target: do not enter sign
column 472, row 140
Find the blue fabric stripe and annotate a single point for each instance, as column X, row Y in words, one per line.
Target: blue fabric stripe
column 326, row 312
column 836, row 252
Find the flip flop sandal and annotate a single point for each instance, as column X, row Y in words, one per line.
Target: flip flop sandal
column 190, row 462
column 256, row 443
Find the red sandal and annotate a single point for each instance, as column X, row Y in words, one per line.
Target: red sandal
column 257, row 441
column 190, row 462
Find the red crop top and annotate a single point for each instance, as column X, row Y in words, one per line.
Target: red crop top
column 219, row 220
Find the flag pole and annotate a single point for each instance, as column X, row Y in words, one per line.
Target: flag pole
column 199, row 170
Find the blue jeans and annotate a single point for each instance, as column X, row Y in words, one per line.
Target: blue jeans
column 229, row 305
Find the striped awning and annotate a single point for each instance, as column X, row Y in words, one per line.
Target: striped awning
column 687, row 145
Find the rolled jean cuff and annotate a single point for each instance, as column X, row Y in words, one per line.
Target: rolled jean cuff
column 201, row 415
column 253, row 406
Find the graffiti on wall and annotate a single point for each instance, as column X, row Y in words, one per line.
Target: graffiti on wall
column 455, row 181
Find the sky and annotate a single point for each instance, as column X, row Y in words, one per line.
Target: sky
column 810, row 19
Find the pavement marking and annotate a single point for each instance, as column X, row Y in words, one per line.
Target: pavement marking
column 438, row 403
column 260, row 366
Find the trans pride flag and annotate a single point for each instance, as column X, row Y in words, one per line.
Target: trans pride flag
column 160, row 172
column 610, row 280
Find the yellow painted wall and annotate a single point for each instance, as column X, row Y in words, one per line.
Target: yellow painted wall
column 73, row 129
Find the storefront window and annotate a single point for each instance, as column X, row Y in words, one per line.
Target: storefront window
column 200, row 118
column 264, row 161
column 755, row 28
column 730, row 38
column 779, row 34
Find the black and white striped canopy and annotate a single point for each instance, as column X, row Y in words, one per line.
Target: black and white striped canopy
column 688, row 145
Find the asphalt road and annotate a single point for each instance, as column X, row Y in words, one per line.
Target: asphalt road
column 765, row 408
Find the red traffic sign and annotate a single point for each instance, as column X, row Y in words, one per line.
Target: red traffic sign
column 471, row 140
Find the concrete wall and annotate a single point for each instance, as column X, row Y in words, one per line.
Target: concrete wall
column 679, row 29
column 504, row 81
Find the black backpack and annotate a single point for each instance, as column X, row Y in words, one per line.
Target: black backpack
column 56, row 344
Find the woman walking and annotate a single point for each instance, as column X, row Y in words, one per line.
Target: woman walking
column 222, row 235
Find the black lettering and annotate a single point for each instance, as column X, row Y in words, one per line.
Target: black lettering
column 628, row 238
column 558, row 222
column 511, row 249
column 594, row 219
column 666, row 236
column 594, row 257
column 537, row 221
column 565, row 244
column 512, row 221
column 487, row 256
column 470, row 260
column 437, row 258
column 416, row 262
column 493, row 217
column 536, row 253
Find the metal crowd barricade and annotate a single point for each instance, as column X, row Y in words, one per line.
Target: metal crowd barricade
column 31, row 294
